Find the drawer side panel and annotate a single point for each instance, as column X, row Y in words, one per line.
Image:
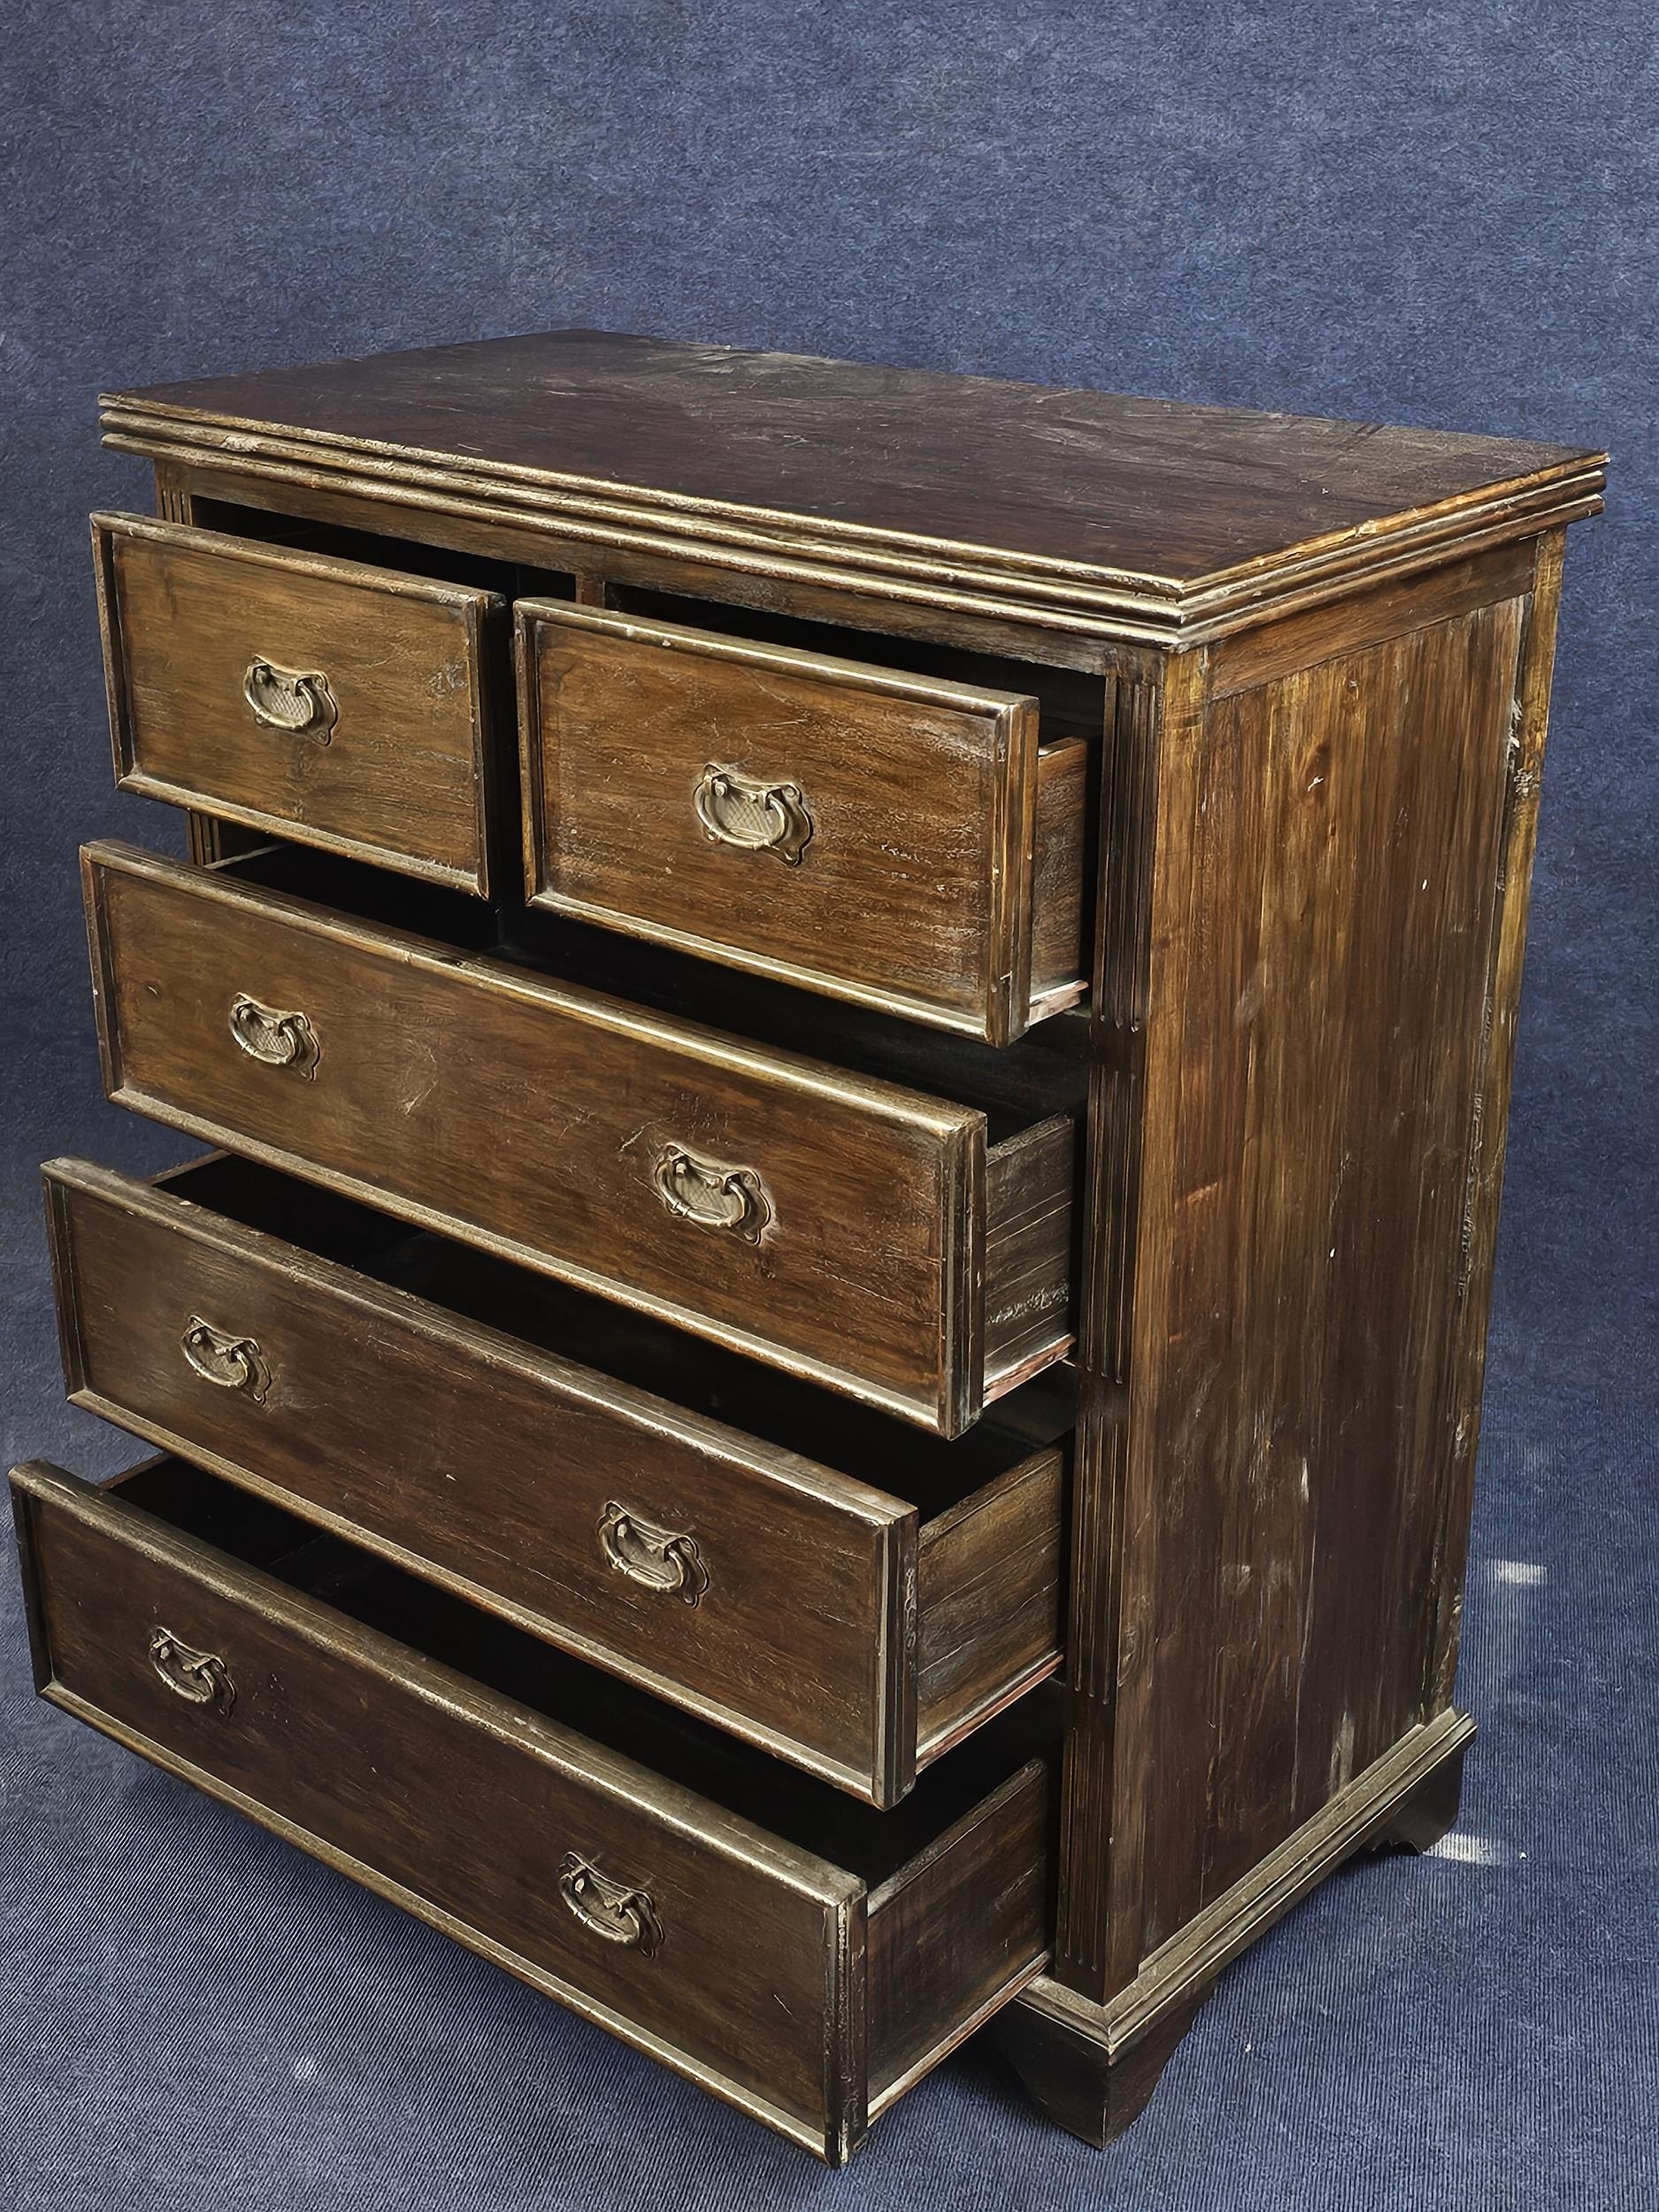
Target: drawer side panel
column 1029, row 1195
column 990, row 1599
column 958, row 1931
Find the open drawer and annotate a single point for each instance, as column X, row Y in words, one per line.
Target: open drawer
column 812, row 1576
column 877, row 833
column 909, row 1249
column 348, row 706
column 803, row 1956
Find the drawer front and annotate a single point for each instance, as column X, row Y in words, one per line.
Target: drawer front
column 808, row 1976
column 767, row 1593
column 827, row 1224
column 853, row 830
column 685, row 1930
column 344, row 706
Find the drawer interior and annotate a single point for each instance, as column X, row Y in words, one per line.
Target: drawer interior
column 1015, row 1085
column 802, row 1956
column 1072, row 705
column 1073, row 702
column 871, row 1448
column 875, row 1846
column 444, row 563
column 482, row 1428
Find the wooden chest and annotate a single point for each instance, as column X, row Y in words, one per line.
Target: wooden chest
column 823, row 1389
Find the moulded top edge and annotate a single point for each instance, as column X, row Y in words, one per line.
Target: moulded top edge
column 1165, row 498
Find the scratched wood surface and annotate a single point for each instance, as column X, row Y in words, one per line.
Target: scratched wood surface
column 1116, row 483
column 887, row 849
column 1278, row 1437
column 1290, row 682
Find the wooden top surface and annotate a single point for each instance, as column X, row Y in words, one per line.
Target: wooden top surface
column 1077, row 485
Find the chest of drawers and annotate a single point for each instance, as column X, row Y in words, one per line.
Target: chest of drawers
column 823, row 1389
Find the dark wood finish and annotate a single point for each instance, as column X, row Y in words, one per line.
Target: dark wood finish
column 1250, row 659
column 210, row 839
column 1254, row 710
column 1107, row 1658
column 1143, row 510
column 1069, row 2073
column 880, row 1193
column 1275, row 1445
column 1028, row 1249
column 988, row 1599
column 883, row 844
column 1419, row 1821
column 1038, row 635
column 988, row 1872
column 803, row 1606
column 1059, row 947
column 1464, row 1373
column 805, row 1990
column 405, row 771
column 1092, row 2066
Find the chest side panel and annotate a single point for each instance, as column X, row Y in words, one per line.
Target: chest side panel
column 1329, row 852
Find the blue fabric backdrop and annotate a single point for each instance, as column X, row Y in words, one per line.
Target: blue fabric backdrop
column 1431, row 213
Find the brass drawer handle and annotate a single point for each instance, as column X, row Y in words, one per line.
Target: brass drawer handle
column 610, row 1910
column 756, row 817
column 234, row 1362
column 201, row 1678
column 712, row 1195
column 295, row 701
column 661, row 1558
column 277, row 1041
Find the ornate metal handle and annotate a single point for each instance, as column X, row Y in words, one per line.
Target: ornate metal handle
column 201, row 1678
column 757, row 817
column 712, row 1195
column 610, row 1910
column 295, row 701
column 278, row 1040
column 234, row 1362
column 661, row 1558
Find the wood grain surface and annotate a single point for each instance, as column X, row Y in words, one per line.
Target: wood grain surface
column 787, row 1607
column 1276, row 1443
column 408, row 771
column 1081, row 478
column 540, row 1120
column 210, row 1640
column 913, row 883
column 1236, row 719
